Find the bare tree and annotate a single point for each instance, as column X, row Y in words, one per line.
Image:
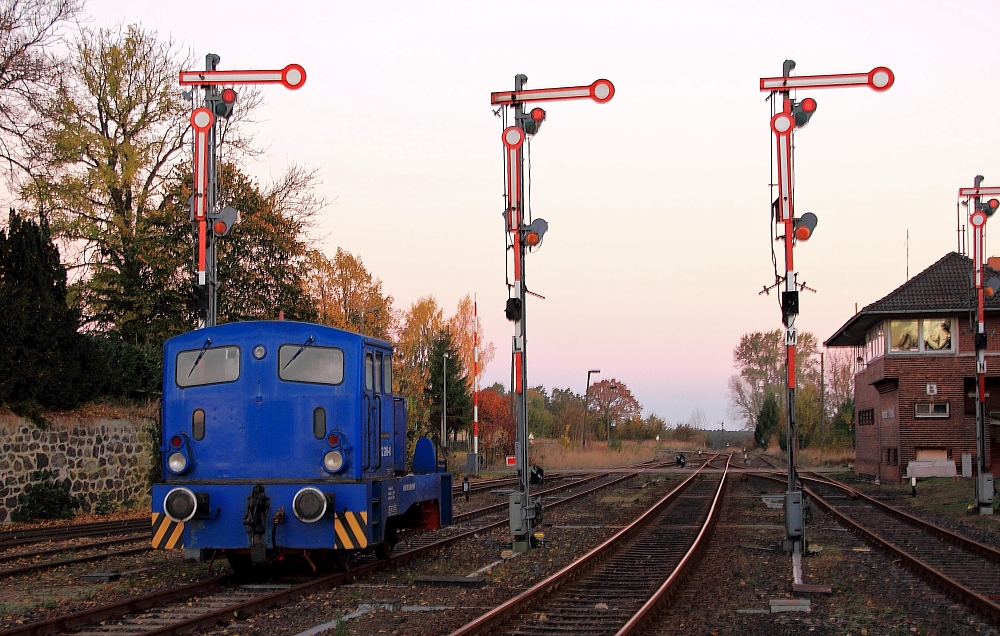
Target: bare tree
column 29, row 68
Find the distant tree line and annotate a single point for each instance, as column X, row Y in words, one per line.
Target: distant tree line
column 824, row 397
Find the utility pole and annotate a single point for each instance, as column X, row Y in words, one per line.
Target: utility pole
column 792, row 115
column 210, row 222
column 979, row 213
column 822, row 399
column 524, row 510
column 586, row 407
column 444, row 406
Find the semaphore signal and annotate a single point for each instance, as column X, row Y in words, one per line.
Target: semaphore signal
column 523, row 510
column 793, row 115
column 218, row 104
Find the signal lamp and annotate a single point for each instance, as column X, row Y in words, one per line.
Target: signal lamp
column 224, row 220
column 333, row 439
column 534, row 121
column 176, row 441
column 513, row 309
column 990, row 207
column 224, row 108
column 803, row 111
column 805, row 226
column 536, row 232
column 992, row 286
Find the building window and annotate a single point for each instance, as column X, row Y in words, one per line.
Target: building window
column 874, row 343
column 930, row 409
column 866, row 417
column 889, row 413
column 928, row 335
column 892, row 456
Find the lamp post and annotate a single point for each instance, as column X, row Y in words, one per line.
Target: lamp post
column 372, row 310
column 586, row 407
column 613, row 387
column 444, row 406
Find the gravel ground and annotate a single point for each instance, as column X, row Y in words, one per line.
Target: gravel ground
column 729, row 592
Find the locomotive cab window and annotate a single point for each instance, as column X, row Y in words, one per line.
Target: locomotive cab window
column 387, row 370
column 305, row 363
column 207, row 366
column 378, row 372
column 369, row 372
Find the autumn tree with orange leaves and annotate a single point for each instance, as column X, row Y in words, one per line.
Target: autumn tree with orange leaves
column 347, row 296
column 462, row 327
column 611, row 404
column 496, row 425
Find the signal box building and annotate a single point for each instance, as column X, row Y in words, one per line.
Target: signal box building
column 915, row 375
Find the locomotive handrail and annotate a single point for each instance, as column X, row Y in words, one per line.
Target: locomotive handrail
column 366, row 406
column 378, row 436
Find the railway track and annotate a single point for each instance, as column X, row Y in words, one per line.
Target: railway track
column 963, row 568
column 220, row 599
column 617, row 586
column 15, row 538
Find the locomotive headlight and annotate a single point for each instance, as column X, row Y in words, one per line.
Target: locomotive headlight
column 333, row 461
column 309, row 505
column 180, row 504
column 177, row 462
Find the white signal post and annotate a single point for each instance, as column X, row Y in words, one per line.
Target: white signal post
column 203, row 204
column 523, row 510
column 979, row 212
column 783, row 126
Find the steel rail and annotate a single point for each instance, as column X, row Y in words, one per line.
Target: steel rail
column 85, row 546
column 648, row 610
column 963, row 593
column 73, row 561
column 983, row 550
column 526, row 600
column 11, row 538
column 83, row 618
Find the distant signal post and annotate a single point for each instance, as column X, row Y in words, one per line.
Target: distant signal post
column 210, row 222
column 795, row 114
column 524, row 512
column 979, row 212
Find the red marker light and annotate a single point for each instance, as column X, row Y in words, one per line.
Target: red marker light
column 220, row 227
column 808, row 104
column 991, row 206
column 333, row 439
column 537, row 114
column 176, row 441
column 531, row 239
column 228, row 95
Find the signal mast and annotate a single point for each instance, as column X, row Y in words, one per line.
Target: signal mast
column 523, row 510
column 979, row 213
column 795, row 114
column 219, row 103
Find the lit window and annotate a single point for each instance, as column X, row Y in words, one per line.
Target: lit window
column 929, row 335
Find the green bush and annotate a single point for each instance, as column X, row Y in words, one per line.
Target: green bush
column 104, row 505
column 48, row 499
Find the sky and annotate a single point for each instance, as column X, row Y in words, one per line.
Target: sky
column 657, row 202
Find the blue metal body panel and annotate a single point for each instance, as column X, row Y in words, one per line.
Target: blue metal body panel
column 260, row 429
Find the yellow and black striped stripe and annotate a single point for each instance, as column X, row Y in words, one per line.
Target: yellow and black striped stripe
column 352, row 529
column 167, row 534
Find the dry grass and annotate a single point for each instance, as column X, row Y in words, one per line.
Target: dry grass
column 829, row 457
column 554, row 455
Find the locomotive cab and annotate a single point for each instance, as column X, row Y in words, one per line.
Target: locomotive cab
column 286, row 437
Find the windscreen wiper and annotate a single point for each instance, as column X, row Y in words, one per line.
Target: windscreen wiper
column 201, row 355
column 304, row 345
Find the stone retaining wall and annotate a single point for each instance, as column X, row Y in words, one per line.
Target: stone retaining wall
column 95, row 454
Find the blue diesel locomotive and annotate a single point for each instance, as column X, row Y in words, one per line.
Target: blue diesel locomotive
column 284, row 439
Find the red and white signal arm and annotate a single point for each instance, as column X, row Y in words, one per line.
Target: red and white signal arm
column 878, row 79
column 990, row 191
column 511, row 460
column 291, row 77
column 600, row 91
